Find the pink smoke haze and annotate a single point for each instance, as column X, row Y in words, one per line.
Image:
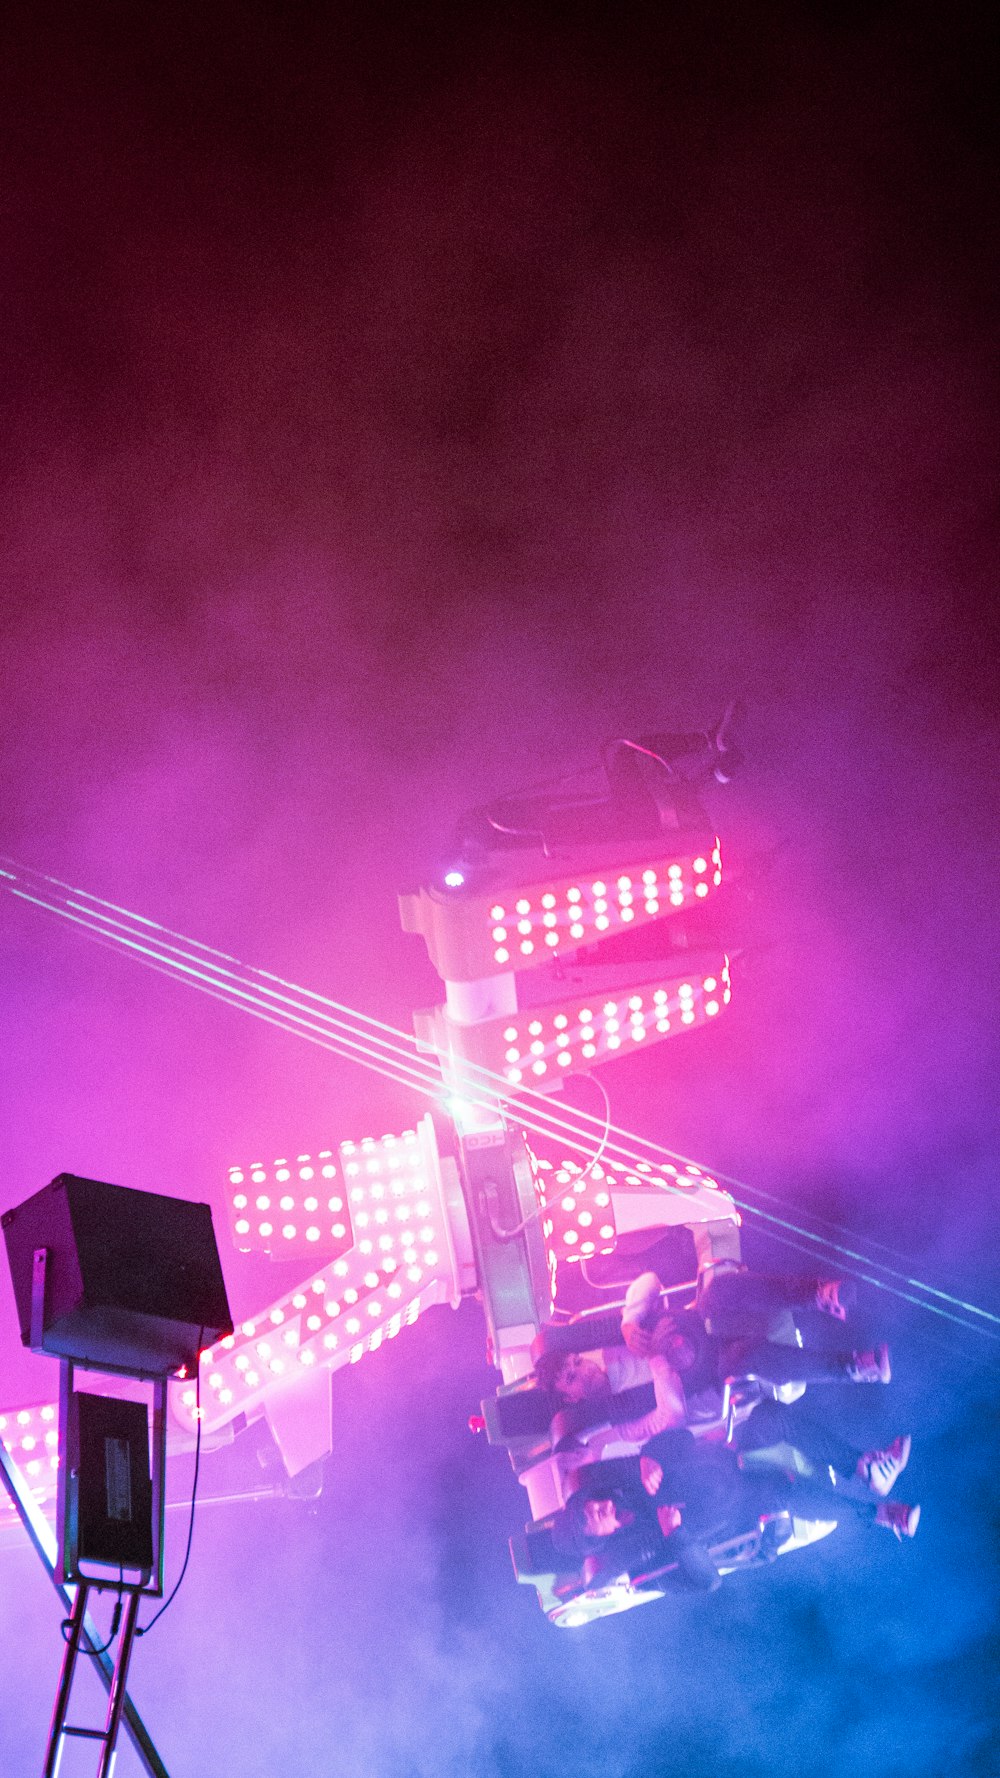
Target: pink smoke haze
column 396, row 409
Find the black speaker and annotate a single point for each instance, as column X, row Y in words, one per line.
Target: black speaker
column 133, row 1279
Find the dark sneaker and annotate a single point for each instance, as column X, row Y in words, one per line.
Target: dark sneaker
column 881, row 1468
column 903, row 1520
column 870, row 1367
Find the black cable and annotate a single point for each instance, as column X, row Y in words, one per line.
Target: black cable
column 144, row 1629
column 503, row 1234
column 116, row 1617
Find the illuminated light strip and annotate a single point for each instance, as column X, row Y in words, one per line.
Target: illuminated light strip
column 34, row 1433
column 471, row 937
column 266, row 1216
column 577, row 1214
column 329, row 1320
column 373, row 1176
column 403, row 1260
column 539, row 1044
column 293, row 1207
column 359, row 1037
column 31, row 1435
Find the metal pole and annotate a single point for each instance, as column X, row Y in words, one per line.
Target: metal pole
column 68, row 1480
column 117, row 1694
column 39, row 1272
column 158, row 1475
column 76, row 1622
column 40, row 1533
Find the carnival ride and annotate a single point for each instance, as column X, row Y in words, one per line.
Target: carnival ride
column 570, row 927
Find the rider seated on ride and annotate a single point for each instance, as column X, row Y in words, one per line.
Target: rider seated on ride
column 573, row 1377
column 742, row 1325
column 683, row 1496
column 628, row 1514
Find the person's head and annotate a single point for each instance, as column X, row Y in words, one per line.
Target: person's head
column 572, row 1376
column 586, row 1521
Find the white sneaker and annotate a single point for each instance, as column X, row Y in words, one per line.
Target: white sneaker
column 643, row 1299
column 870, row 1367
column 880, row 1468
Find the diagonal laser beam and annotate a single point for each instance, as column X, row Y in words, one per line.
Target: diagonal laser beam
column 392, row 1053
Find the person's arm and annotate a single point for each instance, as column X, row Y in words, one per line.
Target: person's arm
column 642, row 1341
column 696, row 1572
column 645, row 1548
column 670, row 1410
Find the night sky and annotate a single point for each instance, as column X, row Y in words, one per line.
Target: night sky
column 395, row 408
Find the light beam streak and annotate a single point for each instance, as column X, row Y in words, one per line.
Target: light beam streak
column 392, row 1053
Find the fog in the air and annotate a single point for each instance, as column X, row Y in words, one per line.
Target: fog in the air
column 395, row 410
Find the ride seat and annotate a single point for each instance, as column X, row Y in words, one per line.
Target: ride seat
column 518, row 1417
column 600, row 1414
column 531, row 1423
column 585, row 1333
column 538, row 1563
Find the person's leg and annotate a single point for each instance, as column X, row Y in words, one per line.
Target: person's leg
column 775, row 1427
column 791, row 1466
column 771, row 1423
column 785, row 1485
column 745, row 1304
column 773, row 1363
column 825, row 1495
column 816, row 1497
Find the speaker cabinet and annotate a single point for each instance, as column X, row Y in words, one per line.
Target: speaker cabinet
column 133, row 1279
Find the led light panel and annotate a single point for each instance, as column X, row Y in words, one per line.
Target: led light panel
column 537, row 1046
column 396, row 1257
column 579, row 1218
column 290, row 1207
column 349, row 1308
column 523, row 926
column 31, row 1435
column 309, row 1205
